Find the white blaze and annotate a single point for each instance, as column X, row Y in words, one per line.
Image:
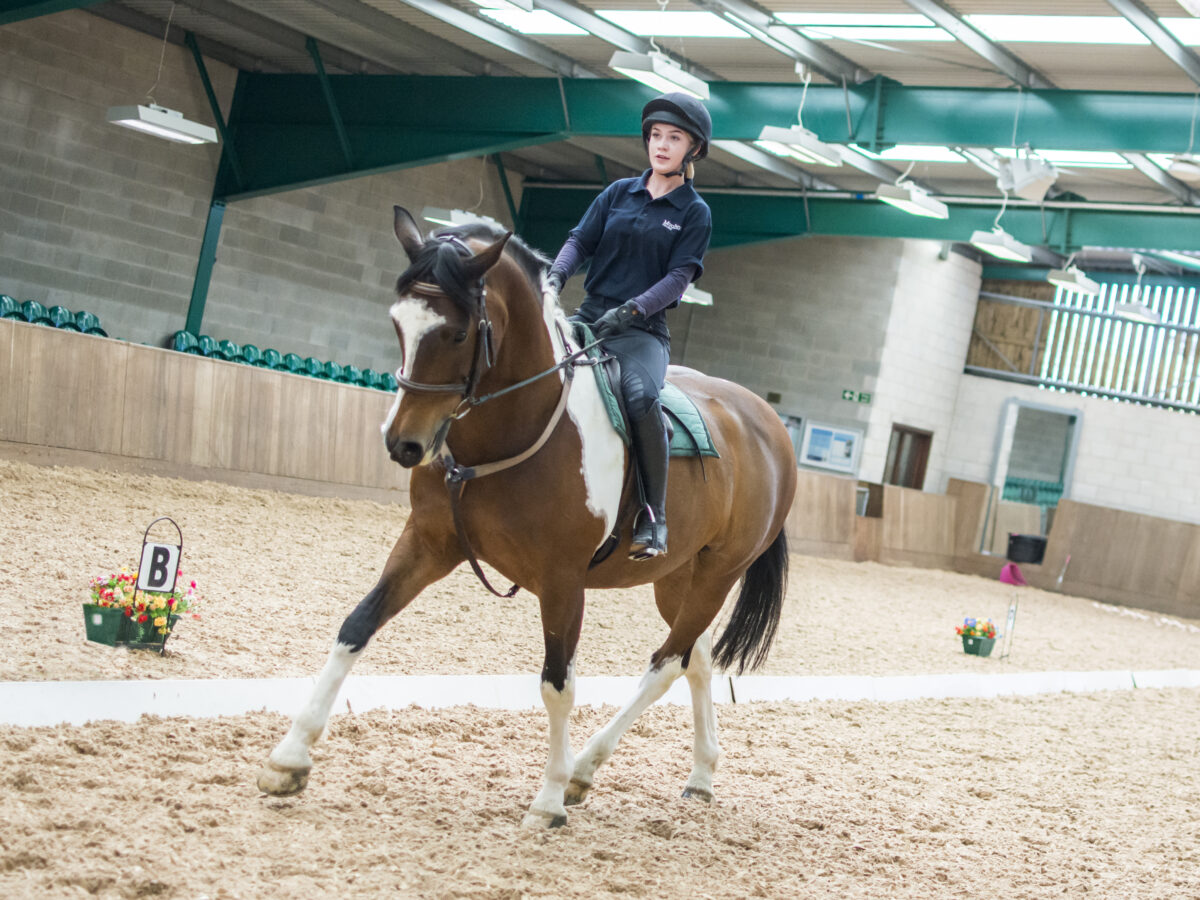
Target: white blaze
column 414, row 319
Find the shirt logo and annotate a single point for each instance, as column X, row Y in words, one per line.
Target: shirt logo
column 671, row 226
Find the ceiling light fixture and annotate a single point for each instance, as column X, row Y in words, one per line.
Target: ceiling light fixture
column 656, row 70
column 162, row 122
column 1135, row 309
column 1028, row 176
column 441, row 216
column 800, row 144
column 1002, row 245
column 907, row 197
column 1069, row 278
column 150, row 118
column 693, row 294
column 797, row 142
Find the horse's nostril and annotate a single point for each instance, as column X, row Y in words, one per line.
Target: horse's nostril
column 408, row 453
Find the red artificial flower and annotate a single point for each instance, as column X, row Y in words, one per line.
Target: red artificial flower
column 143, row 617
column 171, row 601
column 129, row 611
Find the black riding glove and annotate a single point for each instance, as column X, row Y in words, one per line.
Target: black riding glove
column 617, row 320
column 555, row 281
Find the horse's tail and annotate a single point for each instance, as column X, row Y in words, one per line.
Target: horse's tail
column 752, row 624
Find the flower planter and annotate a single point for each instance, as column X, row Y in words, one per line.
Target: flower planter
column 109, row 625
column 978, row 646
column 104, row 624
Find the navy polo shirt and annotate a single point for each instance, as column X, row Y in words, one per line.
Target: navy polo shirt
column 634, row 240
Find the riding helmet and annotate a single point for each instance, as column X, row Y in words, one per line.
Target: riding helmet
column 683, row 111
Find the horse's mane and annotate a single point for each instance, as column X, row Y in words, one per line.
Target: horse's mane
column 441, row 262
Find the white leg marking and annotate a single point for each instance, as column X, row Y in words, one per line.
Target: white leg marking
column 602, row 744
column 292, row 752
column 414, row 319
column 705, row 749
column 602, row 465
column 547, row 809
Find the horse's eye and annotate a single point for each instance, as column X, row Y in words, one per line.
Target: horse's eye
column 459, row 337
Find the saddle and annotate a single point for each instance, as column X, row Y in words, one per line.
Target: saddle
column 686, row 428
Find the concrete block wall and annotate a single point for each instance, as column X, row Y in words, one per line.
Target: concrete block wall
column 1038, row 442
column 1129, row 457
column 101, row 218
column 804, row 318
column 928, row 330
column 93, row 216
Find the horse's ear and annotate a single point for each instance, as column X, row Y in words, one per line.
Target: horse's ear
column 407, row 232
column 478, row 265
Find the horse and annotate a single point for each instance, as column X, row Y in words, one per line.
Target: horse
column 489, row 398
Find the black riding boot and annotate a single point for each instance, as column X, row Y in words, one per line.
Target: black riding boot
column 650, row 449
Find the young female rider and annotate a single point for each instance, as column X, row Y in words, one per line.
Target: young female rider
column 646, row 238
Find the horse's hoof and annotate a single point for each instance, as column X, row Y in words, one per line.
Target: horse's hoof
column 576, row 792
column 697, row 793
column 539, row 821
column 280, row 782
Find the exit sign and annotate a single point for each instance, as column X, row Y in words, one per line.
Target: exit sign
column 856, row 396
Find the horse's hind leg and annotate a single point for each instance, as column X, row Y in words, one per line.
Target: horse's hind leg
column 705, row 749
column 412, row 565
column 689, row 609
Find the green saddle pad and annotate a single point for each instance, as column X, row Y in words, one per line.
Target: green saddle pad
column 690, row 437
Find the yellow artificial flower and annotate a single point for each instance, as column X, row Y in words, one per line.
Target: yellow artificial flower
column 160, row 621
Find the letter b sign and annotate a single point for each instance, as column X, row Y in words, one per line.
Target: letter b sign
column 160, row 564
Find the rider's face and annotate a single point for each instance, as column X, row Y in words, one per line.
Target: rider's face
column 667, row 147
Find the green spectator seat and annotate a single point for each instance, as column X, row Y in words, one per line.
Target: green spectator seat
column 9, row 308
column 184, row 342
column 331, row 371
column 229, row 350
column 272, row 359
column 35, row 313
column 314, row 367
column 88, row 323
column 251, row 355
column 207, row 346
column 293, row 363
column 62, row 318
column 351, row 374
column 387, row 382
column 368, row 378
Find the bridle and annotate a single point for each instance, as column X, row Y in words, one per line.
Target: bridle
column 482, row 360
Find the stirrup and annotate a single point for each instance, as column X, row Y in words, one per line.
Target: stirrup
column 649, row 539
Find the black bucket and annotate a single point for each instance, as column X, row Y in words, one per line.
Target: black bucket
column 1026, row 548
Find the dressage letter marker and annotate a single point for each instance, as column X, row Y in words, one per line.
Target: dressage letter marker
column 160, row 563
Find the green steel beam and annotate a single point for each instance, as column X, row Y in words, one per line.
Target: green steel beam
column 743, row 218
column 204, row 267
column 227, row 148
column 1020, row 273
column 327, row 92
column 518, row 224
column 280, row 123
column 17, row 10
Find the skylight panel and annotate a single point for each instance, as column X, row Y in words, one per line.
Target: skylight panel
column 1079, row 159
column 866, row 26
column 537, row 22
column 913, row 153
column 1058, row 29
column 1187, row 30
column 656, row 23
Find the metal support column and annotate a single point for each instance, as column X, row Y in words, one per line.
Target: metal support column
column 331, row 102
column 226, row 144
column 204, row 267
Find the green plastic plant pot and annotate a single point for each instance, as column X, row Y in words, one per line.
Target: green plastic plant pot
column 103, row 624
column 978, row 646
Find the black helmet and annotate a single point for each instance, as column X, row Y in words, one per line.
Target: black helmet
column 683, row 111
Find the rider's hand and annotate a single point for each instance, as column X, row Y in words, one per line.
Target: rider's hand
column 555, row 282
column 616, row 320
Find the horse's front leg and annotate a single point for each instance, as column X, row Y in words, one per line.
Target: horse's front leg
column 562, row 618
column 412, row 565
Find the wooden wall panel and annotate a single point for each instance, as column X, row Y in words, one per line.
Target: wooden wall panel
column 970, row 514
column 14, row 396
column 821, row 521
column 160, row 405
column 918, row 528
